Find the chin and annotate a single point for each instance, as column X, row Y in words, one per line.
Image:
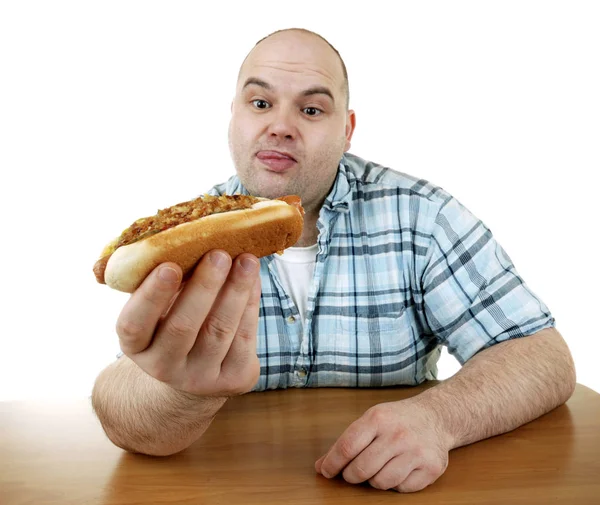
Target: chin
column 271, row 194
column 266, row 188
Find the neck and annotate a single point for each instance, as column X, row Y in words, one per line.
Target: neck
column 310, row 233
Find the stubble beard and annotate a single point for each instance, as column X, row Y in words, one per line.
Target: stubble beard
column 308, row 181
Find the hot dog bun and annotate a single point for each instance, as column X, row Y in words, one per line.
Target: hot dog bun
column 266, row 227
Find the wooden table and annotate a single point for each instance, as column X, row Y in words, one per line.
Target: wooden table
column 262, row 447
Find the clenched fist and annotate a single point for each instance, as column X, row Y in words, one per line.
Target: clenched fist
column 395, row 445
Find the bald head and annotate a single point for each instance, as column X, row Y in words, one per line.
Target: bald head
column 296, row 39
column 291, row 103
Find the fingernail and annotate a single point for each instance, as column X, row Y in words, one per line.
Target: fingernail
column 249, row 265
column 168, row 274
column 219, row 259
column 325, row 474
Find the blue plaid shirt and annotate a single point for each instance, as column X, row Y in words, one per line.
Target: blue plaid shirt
column 402, row 269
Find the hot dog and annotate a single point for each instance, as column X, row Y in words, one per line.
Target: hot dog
column 184, row 232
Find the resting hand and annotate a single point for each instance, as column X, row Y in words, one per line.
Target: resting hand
column 396, row 445
column 199, row 339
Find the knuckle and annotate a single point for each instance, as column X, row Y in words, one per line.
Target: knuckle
column 156, row 292
column 180, row 326
column 243, row 283
column 377, row 415
column 416, row 481
column 239, row 389
column 161, row 371
column 200, row 382
column 435, row 469
column 355, row 474
column 398, row 436
column 126, row 328
column 346, row 448
column 218, row 327
column 130, row 333
column 437, row 466
column 418, row 452
column 208, row 284
column 379, row 483
column 253, row 303
column 411, row 487
column 240, row 288
column 255, row 294
column 245, row 333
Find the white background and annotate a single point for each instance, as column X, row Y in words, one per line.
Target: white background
column 111, row 110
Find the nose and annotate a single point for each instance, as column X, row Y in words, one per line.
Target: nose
column 283, row 124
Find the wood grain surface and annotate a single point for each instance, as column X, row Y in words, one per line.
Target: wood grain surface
column 262, row 447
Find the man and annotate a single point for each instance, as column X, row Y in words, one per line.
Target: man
column 388, row 268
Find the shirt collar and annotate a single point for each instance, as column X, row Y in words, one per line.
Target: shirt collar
column 340, row 196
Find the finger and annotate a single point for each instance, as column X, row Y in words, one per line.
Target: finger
column 243, row 347
column 143, row 310
column 418, row 479
column 353, row 441
column 370, row 461
column 178, row 331
column 223, row 320
column 173, row 298
column 319, row 462
column 394, row 472
column 426, row 472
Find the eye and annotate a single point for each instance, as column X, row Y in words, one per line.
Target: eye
column 261, row 104
column 311, row 111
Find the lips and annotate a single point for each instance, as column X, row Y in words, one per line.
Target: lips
column 274, row 155
column 276, row 161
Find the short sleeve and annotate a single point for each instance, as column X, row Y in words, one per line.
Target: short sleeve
column 473, row 296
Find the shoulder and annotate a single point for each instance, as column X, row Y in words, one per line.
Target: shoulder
column 382, row 193
column 373, row 180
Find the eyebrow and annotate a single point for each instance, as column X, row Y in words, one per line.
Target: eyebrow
column 315, row 90
column 258, row 82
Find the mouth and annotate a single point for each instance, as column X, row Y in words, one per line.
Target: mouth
column 276, row 161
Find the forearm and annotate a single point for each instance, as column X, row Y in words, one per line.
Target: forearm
column 502, row 388
column 141, row 414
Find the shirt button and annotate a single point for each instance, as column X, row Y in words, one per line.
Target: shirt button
column 301, row 372
column 291, row 319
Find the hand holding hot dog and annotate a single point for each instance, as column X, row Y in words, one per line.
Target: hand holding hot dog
column 204, row 342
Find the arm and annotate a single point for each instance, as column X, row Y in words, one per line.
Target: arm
column 146, row 415
column 404, row 445
column 186, row 350
column 472, row 301
column 502, row 388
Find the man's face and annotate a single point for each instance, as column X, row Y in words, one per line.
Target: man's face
column 290, row 124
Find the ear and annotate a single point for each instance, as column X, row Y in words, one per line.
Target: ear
column 231, row 109
column 350, row 125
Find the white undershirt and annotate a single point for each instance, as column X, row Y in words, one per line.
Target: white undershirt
column 296, row 267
